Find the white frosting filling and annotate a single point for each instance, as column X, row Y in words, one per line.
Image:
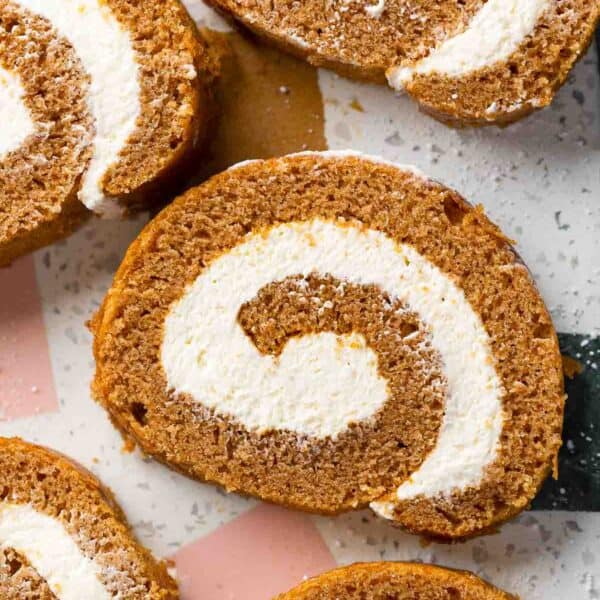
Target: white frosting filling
column 107, row 55
column 52, row 552
column 494, row 33
column 376, row 10
column 16, row 122
column 206, row 16
column 297, row 39
column 206, row 354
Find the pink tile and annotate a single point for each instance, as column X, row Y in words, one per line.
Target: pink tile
column 26, row 383
column 266, row 551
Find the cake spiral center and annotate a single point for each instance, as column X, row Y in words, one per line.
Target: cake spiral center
column 205, row 352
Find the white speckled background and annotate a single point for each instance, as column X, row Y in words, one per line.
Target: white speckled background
column 538, row 179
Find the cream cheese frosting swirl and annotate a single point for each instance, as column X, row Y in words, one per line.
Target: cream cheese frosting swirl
column 107, row 55
column 493, row 34
column 15, row 117
column 51, row 551
column 308, row 389
column 63, row 536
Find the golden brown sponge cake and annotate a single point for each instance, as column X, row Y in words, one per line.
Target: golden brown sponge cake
column 401, row 581
column 328, row 331
column 470, row 62
column 63, row 537
column 45, row 135
column 104, row 101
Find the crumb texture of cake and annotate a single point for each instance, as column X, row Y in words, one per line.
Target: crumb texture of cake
column 329, row 331
column 401, row 581
column 473, row 62
column 63, row 537
column 45, row 135
column 109, row 102
column 145, row 64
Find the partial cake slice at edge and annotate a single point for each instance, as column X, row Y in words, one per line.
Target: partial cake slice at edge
column 43, row 485
column 378, row 580
column 468, row 65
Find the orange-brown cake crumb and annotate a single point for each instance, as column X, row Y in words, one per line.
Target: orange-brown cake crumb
column 401, row 581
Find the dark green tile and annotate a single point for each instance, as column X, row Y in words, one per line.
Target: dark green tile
column 578, row 485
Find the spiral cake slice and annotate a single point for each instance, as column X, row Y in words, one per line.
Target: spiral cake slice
column 328, row 330
column 62, row 536
column 404, row 581
column 45, row 134
column 126, row 110
column 511, row 59
column 471, row 62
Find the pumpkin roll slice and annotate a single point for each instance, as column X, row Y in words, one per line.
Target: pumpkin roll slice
column 328, row 331
column 512, row 58
column 404, row 581
column 471, row 62
column 145, row 68
column 45, row 134
column 63, row 537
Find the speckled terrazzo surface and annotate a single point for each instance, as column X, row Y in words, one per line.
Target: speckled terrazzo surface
column 539, row 180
